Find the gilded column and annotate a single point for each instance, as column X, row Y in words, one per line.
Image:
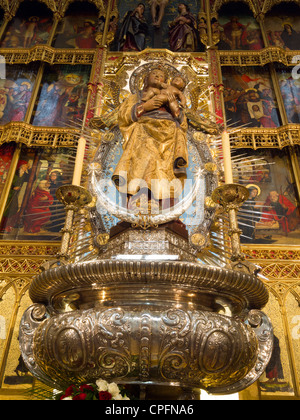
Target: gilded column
column 7, row 19
column 9, row 179
column 216, row 85
column 295, row 165
column 261, row 20
column 10, row 8
column 94, row 94
column 34, row 94
column 57, row 17
column 92, row 109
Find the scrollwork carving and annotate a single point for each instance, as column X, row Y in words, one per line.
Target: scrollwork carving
column 207, row 347
column 190, row 347
column 31, row 320
column 263, row 330
column 145, row 344
column 38, row 313
column 78, row 346
column 113, row 364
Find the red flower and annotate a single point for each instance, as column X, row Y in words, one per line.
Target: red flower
column 86, row 388
column 69, row 391
column 104, row 395
column 79, row 397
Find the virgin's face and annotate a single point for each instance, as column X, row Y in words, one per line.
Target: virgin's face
column 181, row 8
column 141, row 9
column 288, row 29
column 254, row 193
column 156, row 77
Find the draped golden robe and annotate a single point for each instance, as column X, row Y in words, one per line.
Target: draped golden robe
column 154, row 151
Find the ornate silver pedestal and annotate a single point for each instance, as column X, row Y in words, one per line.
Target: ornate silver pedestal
column 147, row 313
column 131, row 302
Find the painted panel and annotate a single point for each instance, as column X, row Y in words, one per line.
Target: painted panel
column 290, row 90
column 237, row 29
column 283, row 26
column 78, row 28
column 32, row 211
column 271, row 215
column 152, row 35
column 250, row 99
column 63, row 96
column 6, row 155
column 31, row 26
column 16, row 91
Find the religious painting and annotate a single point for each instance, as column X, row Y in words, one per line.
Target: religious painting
column 271, row 215
column 79, row 27
column 16, row 91
column 159, row 26
column 31, row 26
column 277, row 379
column 290, row 91
column 63, row 95
column 249, row 96
column 6, row 155
column 283, row 26
column 32, row 209
column 238, row 31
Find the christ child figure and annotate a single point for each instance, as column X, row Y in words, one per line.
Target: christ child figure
column 172, row 95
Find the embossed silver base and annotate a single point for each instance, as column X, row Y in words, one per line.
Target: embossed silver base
column 147, row 322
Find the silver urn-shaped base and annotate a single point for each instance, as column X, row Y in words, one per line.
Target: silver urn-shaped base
column 147, row 321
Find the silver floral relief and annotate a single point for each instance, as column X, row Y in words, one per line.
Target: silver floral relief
column 147, row 343
column 147, row 321
column 32, row 318
column 207, row 348
column 262, row 327
column 82, row 345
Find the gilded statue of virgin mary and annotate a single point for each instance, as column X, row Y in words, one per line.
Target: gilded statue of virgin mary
column 155, row 153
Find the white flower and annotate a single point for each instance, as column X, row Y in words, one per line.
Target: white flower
column 102, row 385
column 113, row 389
column 118, row 397
column 67, row 398
column 125, row 398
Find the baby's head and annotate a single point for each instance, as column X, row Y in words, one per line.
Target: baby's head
column 178, row 82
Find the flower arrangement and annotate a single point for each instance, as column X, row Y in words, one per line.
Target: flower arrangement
column 101, row 390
